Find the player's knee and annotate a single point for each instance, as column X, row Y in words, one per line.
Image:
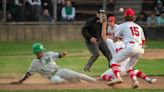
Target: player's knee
column 57, row 79
column 111, row 63
column 102, row 77
column 80, row 74
column 96, row 55
column 106, row 77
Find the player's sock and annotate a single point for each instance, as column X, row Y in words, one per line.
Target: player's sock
column 116, row 70
column 107, row 77
column 132, row 75
column 142, row 75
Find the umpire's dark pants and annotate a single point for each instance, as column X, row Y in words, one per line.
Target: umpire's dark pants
column 94, row 50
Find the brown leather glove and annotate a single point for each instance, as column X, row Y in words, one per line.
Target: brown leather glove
column 103, row 17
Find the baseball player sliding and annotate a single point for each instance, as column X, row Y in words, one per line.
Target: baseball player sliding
column 45, row 65
column 114, row 48
column 134, row 39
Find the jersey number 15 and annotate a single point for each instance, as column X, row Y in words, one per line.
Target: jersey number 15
column 134, row 31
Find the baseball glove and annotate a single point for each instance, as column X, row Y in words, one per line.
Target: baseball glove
column 103, row 17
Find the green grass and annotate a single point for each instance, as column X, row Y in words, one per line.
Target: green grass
column 151, row 67
column 92, row 90
column 72, row 46
column 15, row 58
column 155, row 44
column 26, row 47
column 17, row 65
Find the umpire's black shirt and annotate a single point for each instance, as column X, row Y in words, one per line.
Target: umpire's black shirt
column 92, row 28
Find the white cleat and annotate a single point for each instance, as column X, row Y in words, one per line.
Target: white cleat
column 152, row 81
column 114, row 81
column 135, row 84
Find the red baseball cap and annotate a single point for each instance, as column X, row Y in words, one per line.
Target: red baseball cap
column 129, row 12
column 111, row 19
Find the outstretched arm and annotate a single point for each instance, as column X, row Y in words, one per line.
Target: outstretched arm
column 104, row 27
column 26, row 76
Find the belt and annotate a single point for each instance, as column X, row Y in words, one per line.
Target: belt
column 57, row 68
column 132, row 42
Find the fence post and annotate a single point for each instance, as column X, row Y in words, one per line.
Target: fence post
column 54, row 9
column 104, row 4
column 4, row 11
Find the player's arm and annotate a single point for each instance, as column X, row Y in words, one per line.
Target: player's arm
column 103, row 31
column 32, row 69
column 143, row 37
column 118, row 34
column 26, row 76
column 56, row 55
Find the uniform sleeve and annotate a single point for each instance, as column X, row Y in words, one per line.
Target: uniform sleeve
column 63, row 13
column 116, row 29
column 33, row 67
column 111, row 46
column 73, row 13
column 53, row 55
column 119, row 31
column 142, row 38
column 85, row 31
column 108, row 31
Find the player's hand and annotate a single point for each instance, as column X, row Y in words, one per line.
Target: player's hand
column 93, row 40
column 63, row 53
column 16, row 82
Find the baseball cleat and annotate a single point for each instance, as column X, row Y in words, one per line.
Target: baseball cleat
column 87, row 68
column 135, row 84
column 152, row 81
column 114, row 81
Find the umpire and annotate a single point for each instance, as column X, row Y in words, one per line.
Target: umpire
column 91, row 31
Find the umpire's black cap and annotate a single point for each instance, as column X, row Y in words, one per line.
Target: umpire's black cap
column 101, row 11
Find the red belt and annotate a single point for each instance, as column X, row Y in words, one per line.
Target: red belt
column 132, row 42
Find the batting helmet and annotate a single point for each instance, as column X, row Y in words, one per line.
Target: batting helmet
column 129, row 12
column 37, row 47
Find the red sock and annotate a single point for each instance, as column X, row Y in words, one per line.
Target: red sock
column 115, row 69
column 141, row 75
column 107, row 77
column 132, row 74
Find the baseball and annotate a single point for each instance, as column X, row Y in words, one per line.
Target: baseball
column 121, row 9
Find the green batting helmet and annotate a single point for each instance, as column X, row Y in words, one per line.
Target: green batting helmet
column 37, row 47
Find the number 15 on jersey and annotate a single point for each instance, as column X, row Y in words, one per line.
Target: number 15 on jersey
column 134, row 31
